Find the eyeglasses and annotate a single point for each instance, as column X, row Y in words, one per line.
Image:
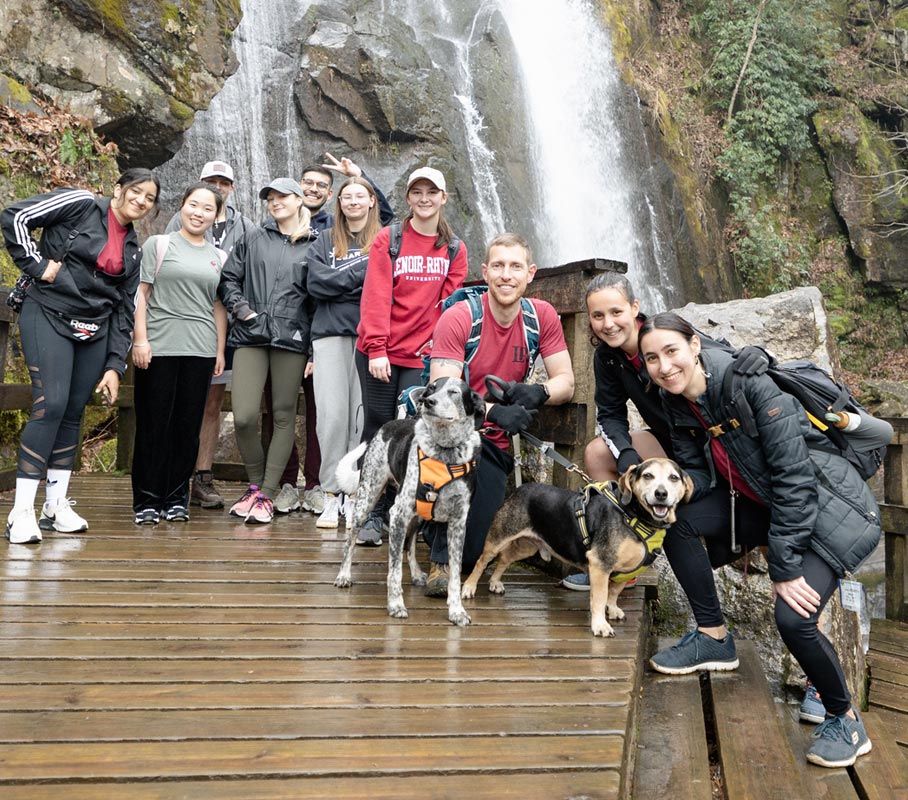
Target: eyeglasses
column 321, row 185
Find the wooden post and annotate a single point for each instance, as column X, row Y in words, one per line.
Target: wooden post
column 895, row 522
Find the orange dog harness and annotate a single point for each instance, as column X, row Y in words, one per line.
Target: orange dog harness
column 433, row 475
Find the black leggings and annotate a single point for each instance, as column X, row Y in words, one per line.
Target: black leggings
column 693, row 566
column 380, row 398
column 170, row 404
column 63, row 372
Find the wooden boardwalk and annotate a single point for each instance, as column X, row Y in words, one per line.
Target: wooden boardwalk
column 211, row 659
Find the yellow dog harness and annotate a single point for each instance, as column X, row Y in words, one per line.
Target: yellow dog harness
column 650, row 535
column 433, row 475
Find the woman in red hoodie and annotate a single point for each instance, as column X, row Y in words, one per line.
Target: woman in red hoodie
column 401, row 302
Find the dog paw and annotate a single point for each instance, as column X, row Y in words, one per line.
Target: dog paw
column 602, row 628
column 614, row 612
column 398, row 611
column 459, row 618
column 343, row 581
column 468, row 592
column 419, row 580
column 496, row 587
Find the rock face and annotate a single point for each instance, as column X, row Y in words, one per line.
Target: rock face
column 865, row 167
column 792, row 325
column 139, row 69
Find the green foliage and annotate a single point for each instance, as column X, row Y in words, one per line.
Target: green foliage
column 75, row 146
column 769, row 120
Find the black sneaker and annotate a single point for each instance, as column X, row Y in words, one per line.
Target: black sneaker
column 369, row 534
column 148, row 516
column 176, row 514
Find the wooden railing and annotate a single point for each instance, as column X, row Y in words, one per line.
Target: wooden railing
column 895, row 521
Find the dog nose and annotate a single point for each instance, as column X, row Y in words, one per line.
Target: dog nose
column 661, row 494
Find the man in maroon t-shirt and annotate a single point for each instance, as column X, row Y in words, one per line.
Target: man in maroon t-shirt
column 502, row 351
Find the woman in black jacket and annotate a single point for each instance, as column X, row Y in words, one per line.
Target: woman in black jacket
column 75, row 326
column 263, row 287
column 787, row 488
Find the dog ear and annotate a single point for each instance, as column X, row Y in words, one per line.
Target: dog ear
column 688, row 486
column 626, row 485
column 477, row 407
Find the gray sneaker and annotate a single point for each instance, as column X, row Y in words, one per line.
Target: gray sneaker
column 369, row 534
column 838, row 742
column 812, row 708
column 287, row 500
column 697, row 651
column 314, row 500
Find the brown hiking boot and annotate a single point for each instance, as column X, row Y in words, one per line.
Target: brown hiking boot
column 437, row 583
column 203, row 492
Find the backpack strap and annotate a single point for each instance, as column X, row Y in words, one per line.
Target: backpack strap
column 395, row 240
column 453, row 249
column 530, row 332
column 474, row 301
column 161, row 243
column 734, row 403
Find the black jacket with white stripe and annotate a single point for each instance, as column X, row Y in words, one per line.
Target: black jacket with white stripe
column 74, row 232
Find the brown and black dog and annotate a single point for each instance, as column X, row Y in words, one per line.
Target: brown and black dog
column 541, row 518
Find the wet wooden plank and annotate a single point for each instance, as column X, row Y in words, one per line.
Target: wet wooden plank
column 883, row 773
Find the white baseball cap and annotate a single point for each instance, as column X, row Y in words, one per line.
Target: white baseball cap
column 217, row 169
column 433, row 176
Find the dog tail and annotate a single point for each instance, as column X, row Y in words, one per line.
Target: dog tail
column 347, row 474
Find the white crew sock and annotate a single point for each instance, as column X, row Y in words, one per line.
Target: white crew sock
column 57, row 483
column 26, row 490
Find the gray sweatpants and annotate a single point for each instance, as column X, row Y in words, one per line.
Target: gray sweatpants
column 338, row 398
column 251, row 366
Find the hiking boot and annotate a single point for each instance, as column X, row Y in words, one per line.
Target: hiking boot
column 314, row 500
column 838, row 741
column 58, row 515
column 329, row 517
column 242, row 506
column 437, row 582
column 697, row 651
column 579, row 582
column 177, row 514
column 369, row 533
column 203, row 492
column 21, row 527
column 262, row 511
column 148, row 516
column 287, row 500
column 812, row 708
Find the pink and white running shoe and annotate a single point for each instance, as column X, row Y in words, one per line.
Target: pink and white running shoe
column 242, row 506
column 262, row 511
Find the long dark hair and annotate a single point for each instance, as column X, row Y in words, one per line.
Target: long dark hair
column 137, row 175
column 667, row 321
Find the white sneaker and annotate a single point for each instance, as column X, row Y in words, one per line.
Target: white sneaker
column 329, row 516
column 58, row 515
column 21, row 527
column 287, row 500
column 314, row 500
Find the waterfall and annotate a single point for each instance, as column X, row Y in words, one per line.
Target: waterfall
column 437, row 25
column 594, row 173
column 251, row 123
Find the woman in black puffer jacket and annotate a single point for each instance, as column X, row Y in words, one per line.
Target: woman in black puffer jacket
column 787, row 488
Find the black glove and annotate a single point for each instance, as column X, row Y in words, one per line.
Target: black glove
column 628, row 458
column 752, row 360
column 529, row 395
column 511, row 419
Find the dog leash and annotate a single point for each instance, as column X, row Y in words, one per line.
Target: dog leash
column 496, row 388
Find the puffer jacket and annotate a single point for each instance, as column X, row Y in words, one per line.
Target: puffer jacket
column 815, row 496
column 266, row 273
column 617, row 381
column 74, row 232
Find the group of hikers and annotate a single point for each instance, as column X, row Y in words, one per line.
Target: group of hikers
column 345, row 305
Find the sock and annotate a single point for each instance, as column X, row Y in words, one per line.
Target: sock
column 57, row 483
column 26, row 490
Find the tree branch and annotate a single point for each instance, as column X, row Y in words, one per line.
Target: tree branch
column 750, row 48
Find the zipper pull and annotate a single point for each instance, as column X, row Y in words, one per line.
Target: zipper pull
column 735, row 547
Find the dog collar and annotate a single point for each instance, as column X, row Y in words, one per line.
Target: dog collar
column 643, row 531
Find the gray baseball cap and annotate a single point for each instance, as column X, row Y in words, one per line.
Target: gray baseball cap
column 282, row 186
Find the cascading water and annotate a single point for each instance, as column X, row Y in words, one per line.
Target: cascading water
column 440, row 22
column 595, row 181
column 251, row 122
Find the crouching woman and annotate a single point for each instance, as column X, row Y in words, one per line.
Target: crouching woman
column 785, row 487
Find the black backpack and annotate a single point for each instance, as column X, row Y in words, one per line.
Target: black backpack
column 397, row 237
column 818, row 393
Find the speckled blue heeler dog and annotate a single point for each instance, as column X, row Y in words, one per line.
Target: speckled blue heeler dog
column 449, row 414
